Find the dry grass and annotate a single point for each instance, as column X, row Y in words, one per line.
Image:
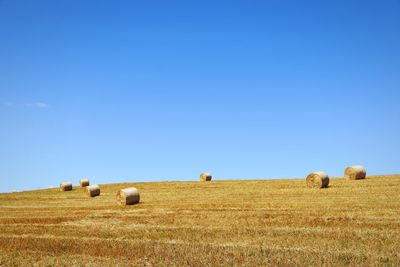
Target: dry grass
column 245, row 223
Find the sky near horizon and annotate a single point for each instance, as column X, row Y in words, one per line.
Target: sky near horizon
column 123, row 91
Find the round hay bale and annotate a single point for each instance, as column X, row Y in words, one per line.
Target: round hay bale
column 355, row 172
column 66, row 186
column 128, row 196
column 205, row 177
column 84, row 182
column 317, row 180
column 93, row 190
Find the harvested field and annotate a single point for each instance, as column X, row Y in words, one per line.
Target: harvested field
column 246, row 223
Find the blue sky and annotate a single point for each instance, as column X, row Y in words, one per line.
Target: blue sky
column 163, row 90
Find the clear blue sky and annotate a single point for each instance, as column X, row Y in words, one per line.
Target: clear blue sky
column 163, row 90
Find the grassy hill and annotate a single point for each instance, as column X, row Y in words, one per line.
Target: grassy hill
column 258, row 222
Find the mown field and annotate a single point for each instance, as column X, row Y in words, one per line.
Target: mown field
column 228, row 223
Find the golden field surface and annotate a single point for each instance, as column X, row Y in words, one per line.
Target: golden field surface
column 228, row 223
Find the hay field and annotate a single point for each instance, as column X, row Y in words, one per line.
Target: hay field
column 245, row 223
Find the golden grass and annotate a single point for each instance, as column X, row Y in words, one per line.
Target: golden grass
column 245, row 223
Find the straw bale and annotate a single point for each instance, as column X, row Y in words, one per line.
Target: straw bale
column 84, row 182
column 317, row 180
column 205, row 177
column 128, row 196
column 93, row 190
column 355, row 172
column 66, row 186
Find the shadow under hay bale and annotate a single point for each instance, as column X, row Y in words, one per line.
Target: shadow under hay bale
column 128, row 196
column 317, row 180
column 93, row 190
column 355, row 172
column 204, row 177
column 66, row 186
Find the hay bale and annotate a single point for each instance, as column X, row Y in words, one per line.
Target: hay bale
column 317, row 180
column 205, row 177
column 128, row 196
column 355, row 172
column 93, row 190
column 84, row 182
column 66, row 186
